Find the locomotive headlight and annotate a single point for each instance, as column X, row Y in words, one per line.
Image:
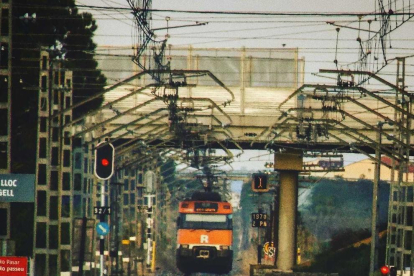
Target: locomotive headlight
column 224, row 247
column 184, row 246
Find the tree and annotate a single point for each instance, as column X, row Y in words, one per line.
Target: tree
column 335, row 205
column 68, row 35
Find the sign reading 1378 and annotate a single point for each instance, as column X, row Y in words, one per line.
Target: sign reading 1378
column 259, row 220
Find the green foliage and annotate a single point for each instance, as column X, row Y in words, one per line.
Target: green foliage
column 68, row 37
column 349, row 261
column 338, row 212
column 337, row 204
column 346, row 237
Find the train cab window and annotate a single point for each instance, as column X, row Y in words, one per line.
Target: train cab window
column 205, row 221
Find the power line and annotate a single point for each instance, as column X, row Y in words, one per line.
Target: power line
column 258, row 13
column 322, row 14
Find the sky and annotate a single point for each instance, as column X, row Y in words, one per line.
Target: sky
column 308, row 31
column 301, row 24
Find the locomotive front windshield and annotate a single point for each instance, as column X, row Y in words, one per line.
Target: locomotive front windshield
column 206, row 221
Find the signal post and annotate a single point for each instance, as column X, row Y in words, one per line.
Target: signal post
column 289, row 164
column 104, row 169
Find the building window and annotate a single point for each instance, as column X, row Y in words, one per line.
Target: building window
column 40, row 260
column 43, row 124
column 65, row 207
column 41, row 234
column 4, row 55
column 4, row 218
column 67, row 102
column 67, row 121
column 85, row 165
column 4, row 122
column 3, row 155
column 42, row 148
column 65, row 233
column 66, row 181
column 53, row 212
column 41, row 176
column 53, row 236
column 126, row 185
column 4, row 87
column 55, row 131
column 44, row 62
column 78, row 161
column 44, row 84
column 4, row 22
column 64, row 259
column 53, row 264
column 77, row 205
column 41, row 203
column 54, row 180
column 55, row 156
column 66, row 158
column 77, row 182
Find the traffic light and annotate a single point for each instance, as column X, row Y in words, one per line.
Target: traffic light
column 385, row 270
column 260, row 183
column 104, row 160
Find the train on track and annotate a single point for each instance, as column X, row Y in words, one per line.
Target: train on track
column 205, row 234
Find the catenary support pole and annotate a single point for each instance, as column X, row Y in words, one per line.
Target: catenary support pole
column 289, row 163
column 287, row 220
column 373, row 264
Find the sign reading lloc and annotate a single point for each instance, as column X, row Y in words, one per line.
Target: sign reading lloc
column 104, row 160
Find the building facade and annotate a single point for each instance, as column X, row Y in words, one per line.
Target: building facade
column 6, row 246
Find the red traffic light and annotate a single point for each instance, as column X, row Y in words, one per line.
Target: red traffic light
column 385, row 270
column 105, row 162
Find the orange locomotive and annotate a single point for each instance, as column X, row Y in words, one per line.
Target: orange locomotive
column 205, row 234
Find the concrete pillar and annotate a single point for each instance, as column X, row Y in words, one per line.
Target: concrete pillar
column 288, row 197
column 288, row 163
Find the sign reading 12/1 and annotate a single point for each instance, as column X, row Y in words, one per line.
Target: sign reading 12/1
column 259, row 220
column 102, row 210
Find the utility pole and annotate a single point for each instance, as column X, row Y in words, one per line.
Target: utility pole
column 102, row 238
column 374, row 217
